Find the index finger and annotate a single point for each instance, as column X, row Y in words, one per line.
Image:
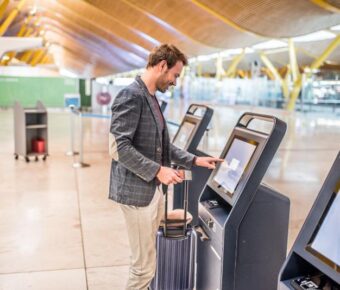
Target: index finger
column 217, row 159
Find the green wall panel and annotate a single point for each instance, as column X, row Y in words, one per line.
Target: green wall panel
column 28, row 90
column 85, row 100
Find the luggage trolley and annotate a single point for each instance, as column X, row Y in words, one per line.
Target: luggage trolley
column 314, row 260
column 30, row 131
column 243, row 225
column 189, row 135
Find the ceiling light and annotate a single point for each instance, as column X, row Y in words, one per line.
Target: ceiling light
column 335, row 28
column 123, row 81
column 207, row 57
column 192, row 60
column 315, row 36
column 33, row 11
column 103, row 80
column 166, row 25
column 147, row 37
column 271, row 44
column 308, row 70
column 235, row 51
column 67, row 73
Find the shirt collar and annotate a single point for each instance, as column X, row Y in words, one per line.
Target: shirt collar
column 142, row 84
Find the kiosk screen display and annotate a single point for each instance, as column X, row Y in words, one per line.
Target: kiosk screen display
column 235, row 163
column 327, row 239
column 184, row 134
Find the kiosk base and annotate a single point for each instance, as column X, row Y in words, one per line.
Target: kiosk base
column 248, row 256
column 317, row 282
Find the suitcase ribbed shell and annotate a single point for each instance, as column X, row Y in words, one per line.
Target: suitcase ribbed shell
column 175, row 262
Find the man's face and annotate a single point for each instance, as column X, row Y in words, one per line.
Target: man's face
column 168, row 77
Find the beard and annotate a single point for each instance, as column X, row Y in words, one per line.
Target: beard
column 162, row 89
column 162, row 84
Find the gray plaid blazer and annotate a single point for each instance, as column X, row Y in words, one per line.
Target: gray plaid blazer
column 135, row 147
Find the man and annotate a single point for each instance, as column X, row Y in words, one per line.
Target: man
column 142, row 153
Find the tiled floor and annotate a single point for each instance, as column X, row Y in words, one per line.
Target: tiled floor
column 59, row 231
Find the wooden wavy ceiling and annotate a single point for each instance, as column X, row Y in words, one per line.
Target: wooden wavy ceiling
column 100, row 37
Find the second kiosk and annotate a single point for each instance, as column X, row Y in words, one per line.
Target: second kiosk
column 188, row 137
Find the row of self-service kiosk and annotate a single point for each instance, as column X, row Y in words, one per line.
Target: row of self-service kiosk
column 242, row 224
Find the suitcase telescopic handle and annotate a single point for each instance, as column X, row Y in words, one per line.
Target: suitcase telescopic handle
column 187, row 177
column 246, row 118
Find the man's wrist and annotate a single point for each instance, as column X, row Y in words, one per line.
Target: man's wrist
column 158, row 170
column 194, row 161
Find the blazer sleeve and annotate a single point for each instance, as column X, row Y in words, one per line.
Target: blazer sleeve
column 181, row 157
column 126, row 111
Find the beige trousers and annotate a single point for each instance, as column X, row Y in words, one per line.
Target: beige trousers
column 142, row 224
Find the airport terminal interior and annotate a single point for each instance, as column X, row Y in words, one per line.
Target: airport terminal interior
column 270, row 214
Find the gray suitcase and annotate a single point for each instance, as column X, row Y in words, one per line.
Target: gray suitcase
column 176, row 246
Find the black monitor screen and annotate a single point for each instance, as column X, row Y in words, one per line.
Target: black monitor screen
column 327, row 240
column 235, row 163
column 184, row 134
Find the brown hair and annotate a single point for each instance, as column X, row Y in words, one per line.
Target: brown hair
column 167, row 52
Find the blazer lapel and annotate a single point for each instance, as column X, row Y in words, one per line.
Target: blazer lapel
column 166, row 149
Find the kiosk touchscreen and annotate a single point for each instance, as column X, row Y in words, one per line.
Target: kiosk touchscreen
column 326, row 243
column 235, row 163
column 242, row 224
column 184, row 134
column 314, row 261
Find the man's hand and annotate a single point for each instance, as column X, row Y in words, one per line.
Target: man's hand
column 167, row 175
column 208, row 162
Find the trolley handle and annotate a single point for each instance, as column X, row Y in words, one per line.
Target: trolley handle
column 246, row 119
column 187, row 177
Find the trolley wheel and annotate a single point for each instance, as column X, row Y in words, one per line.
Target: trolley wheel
column 16, row 156
column 44, row 158
column 36, row 158
column 27, row 159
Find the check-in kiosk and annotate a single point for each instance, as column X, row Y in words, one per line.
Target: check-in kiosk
column 188, row 137
column 243, row 225
column 314, row 261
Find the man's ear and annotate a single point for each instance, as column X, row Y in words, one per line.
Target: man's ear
column 163, row 66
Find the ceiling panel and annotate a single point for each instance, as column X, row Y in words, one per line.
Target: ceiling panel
column 275, row 18
column 196, row 23
column 132, row 16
